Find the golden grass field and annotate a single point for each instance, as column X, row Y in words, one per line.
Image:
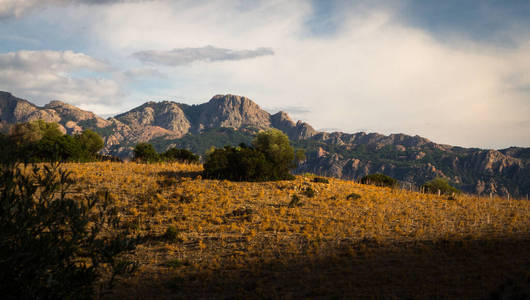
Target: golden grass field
column 242, row 240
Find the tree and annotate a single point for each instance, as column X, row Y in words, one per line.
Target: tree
column 278, row 151
column 181, row 155
column 90, row 143
column 270, row 157
column 31, row 132
column 440, row 184
column 379, row 179
column 39, row 141
column 145, row 152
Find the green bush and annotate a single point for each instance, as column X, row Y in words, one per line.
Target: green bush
column 309, row 192
column 53, row 246
column 145, row 152
column 171, row 234
column 440, row 184
column 270, row 157
column 353, row 196
column 295, row 202
column 180, row 155
column 320, row 180
column 379, row 180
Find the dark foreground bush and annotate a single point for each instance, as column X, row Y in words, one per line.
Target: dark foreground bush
column 379, row 180
column 271, row 157
column 440, row 184
column 53, row 246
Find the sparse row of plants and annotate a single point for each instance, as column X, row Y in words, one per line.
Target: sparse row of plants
column 435, row 186
column 146, row 153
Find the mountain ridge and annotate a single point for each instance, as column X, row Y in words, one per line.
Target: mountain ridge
column 346, row 155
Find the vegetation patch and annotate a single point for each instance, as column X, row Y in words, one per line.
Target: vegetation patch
column 379, row 179
column 440, row 185
column 320, row 180
column 271, row 157
column 353, row 196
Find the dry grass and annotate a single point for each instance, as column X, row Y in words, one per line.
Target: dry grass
column 243, row 240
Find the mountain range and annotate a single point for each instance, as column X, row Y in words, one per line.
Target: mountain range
column 231, row 119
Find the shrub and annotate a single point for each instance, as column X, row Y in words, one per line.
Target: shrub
column 320, row 180
column 309, row 192
column 270, row 158
column 379, row 180
column 145, row 152
column 53, row 246
column 295, row 201
column 181, row 155
column 440, row 184
column 171, row 234
column 353, row 196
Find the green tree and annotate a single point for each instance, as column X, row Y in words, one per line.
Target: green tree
column 181, row 155
column 31, row 132
column 379, row 180
column 145, row 152
column 90, row 143
column 440, row 184
column 270, row 158
column 278, row 151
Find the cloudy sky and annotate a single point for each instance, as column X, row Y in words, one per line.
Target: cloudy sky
column 456, row 72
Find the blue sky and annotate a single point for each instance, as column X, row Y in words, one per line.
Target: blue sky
column 456, row 72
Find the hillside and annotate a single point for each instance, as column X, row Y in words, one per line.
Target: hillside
column 231, row 119
column 245, row 240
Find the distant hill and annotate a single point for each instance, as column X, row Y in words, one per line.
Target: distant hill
column 231, row 119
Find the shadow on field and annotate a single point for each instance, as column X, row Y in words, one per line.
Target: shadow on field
column 445, row 269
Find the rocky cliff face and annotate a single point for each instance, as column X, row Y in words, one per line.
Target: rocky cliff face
column 15, row 110
column 415, row 160
column 411, row 159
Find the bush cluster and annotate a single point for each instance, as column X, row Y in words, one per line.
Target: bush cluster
column 145, row 152
column 53, row 246
column 379, row 179
column 440, row 184
column 39, row 141
column 271, row 157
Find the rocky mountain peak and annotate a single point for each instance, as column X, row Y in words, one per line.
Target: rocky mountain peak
column 282, row 117
column 165, row 115
column 232, row 111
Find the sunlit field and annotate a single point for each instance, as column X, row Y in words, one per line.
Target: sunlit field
column 302, row 239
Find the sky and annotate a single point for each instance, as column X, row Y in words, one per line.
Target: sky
column 455, row 72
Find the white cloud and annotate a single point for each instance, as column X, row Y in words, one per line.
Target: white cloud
column 17, row 8
column 184, row 56
column 374, row 72
column 63, row 75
